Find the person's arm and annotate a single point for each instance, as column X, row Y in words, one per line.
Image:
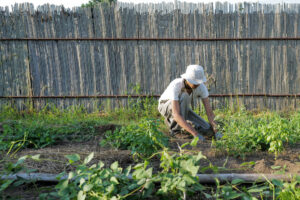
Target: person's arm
column 210, row 114
column 180, row 120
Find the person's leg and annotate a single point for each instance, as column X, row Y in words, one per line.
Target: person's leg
column 166, row 110
column 202, row 126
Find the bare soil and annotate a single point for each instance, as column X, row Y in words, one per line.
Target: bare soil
column 264, row 162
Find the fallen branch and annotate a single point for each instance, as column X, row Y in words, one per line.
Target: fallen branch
column 203, row 178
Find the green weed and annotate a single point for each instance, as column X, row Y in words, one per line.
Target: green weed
column 38, row 129
column 144, row 138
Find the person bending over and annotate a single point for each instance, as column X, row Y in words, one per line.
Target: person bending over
column 174, row 105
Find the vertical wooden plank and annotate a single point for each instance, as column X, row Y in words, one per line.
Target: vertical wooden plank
column 4, row 54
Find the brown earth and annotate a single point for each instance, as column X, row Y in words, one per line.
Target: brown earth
column 263, row 162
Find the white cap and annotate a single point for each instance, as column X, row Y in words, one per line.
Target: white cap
column 194, row 74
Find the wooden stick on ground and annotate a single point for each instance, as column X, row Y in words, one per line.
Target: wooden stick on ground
column 203, row 178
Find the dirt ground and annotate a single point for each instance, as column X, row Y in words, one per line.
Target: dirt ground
column 263, row 162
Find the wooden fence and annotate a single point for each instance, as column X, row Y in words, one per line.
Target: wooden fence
column 55, row 67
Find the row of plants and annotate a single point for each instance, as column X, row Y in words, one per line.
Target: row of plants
column 32, row 128
column 245, row 132
column 176, row 179
column 38, row 129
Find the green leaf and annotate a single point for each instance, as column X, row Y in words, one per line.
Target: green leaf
column 146, row 163
column 127, row 170
column 277, row 182
column 36, row 157
column 138, row 174
column 149, row 186
column 82, row 180
column 208, row 196
column 233, row 195
column 139, row 165
column 194, row 141
column 60, row 175
column 248, row 164
column 93, row 166
column 110, row 188
column 19, row 182
column 71, row 175
column 254, row 190
column 43, row 196
column 64, row 184
column 87, row 187
column 188, row 179
column 114, row 180
column 114, row 166
column 185, row 144
column 275, row 167
column 89, row 158
column 200, row 156
column 20, row 160
column 101, row 164
column 189, row 166
column 73, row 158
column 148, row 173
column 141, row 181
column 237, row 181
column 5, row 185
column 132, row 186
column 81, row 196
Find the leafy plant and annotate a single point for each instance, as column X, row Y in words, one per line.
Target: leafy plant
column 93, row 182
column 179, row 173
column 177, row 178
column 40, row 133
column 38, row 129
column 144, row 138
column 244, row 133
column 92, row 3
column 13, row 168
column 137, row 108
column 288, row 190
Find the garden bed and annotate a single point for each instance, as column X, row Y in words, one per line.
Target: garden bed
column 287, row 161
column 85, row 145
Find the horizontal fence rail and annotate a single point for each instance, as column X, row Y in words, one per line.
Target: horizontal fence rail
column 150, row 39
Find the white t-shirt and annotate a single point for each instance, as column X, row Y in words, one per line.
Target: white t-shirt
column 174, row 89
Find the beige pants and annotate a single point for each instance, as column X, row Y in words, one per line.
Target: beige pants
column 165, row 108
